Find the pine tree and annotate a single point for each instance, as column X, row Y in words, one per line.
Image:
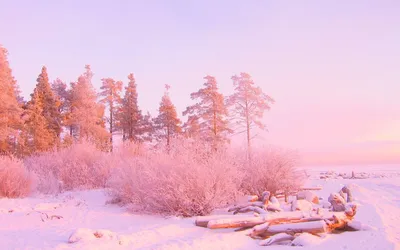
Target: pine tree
column 10, row 109
column 44, row 96
column 39, row 137
column 248, row 105
column 211, row 113
column 86, row 114
column 167, row 123
column 111, row 93
column 134, row 126
column 63, row 97
column 191, row 128
column 146, row 128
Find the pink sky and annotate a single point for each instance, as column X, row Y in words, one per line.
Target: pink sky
column 332, row 66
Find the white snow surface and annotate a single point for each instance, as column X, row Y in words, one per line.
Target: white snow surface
column 83, row 220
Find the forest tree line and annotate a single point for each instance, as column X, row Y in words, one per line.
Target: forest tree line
column 58, row 113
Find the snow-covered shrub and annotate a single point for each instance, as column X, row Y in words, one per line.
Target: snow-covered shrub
column 189, row 180
column 15, row 180
column 270, row 169
column 79, row 166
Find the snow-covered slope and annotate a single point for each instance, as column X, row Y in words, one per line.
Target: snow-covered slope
column 47, row 222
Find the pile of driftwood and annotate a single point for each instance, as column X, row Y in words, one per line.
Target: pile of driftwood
column 274, row 221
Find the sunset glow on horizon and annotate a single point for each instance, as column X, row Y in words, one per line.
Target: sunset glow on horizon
column 333, row 67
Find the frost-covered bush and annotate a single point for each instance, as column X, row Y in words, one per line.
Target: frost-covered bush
column 80, row 166
column 270, row 169
column 15, row 180
column 188, row 180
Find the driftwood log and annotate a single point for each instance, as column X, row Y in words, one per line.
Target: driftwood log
column 313, row 227
column 202, row 221
column 270, row 224
column 247, row 209
column 247, row 204
column 229, row 221
column 235, row 222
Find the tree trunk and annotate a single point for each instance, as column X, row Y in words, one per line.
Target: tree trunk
column 312, row 227
column 235, row 222
column 215, row 130
column 111, row 127
column 202, row 221
column 248, row 133
column 168, row 139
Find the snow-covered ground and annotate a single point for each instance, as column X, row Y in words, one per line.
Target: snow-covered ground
column 33, row 223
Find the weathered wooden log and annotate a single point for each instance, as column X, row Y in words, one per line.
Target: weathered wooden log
column 287, row 215
column 262, row 229
column 259, row 229
column 251, row 209
column 276, row 239
column 235, row 222
column 247, row 204
column 339, row 223
column 313, row 227
column 297, row 215
column 202, row 221
column 333, row 216
column 218, row 221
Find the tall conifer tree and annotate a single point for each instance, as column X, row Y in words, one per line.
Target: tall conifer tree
column 210, row 112
column 86, row 114
column 167, row 123
column 44, row 96
column 111, row 96
column 10, row 109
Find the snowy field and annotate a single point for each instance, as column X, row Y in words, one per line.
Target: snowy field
column 47, row 222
